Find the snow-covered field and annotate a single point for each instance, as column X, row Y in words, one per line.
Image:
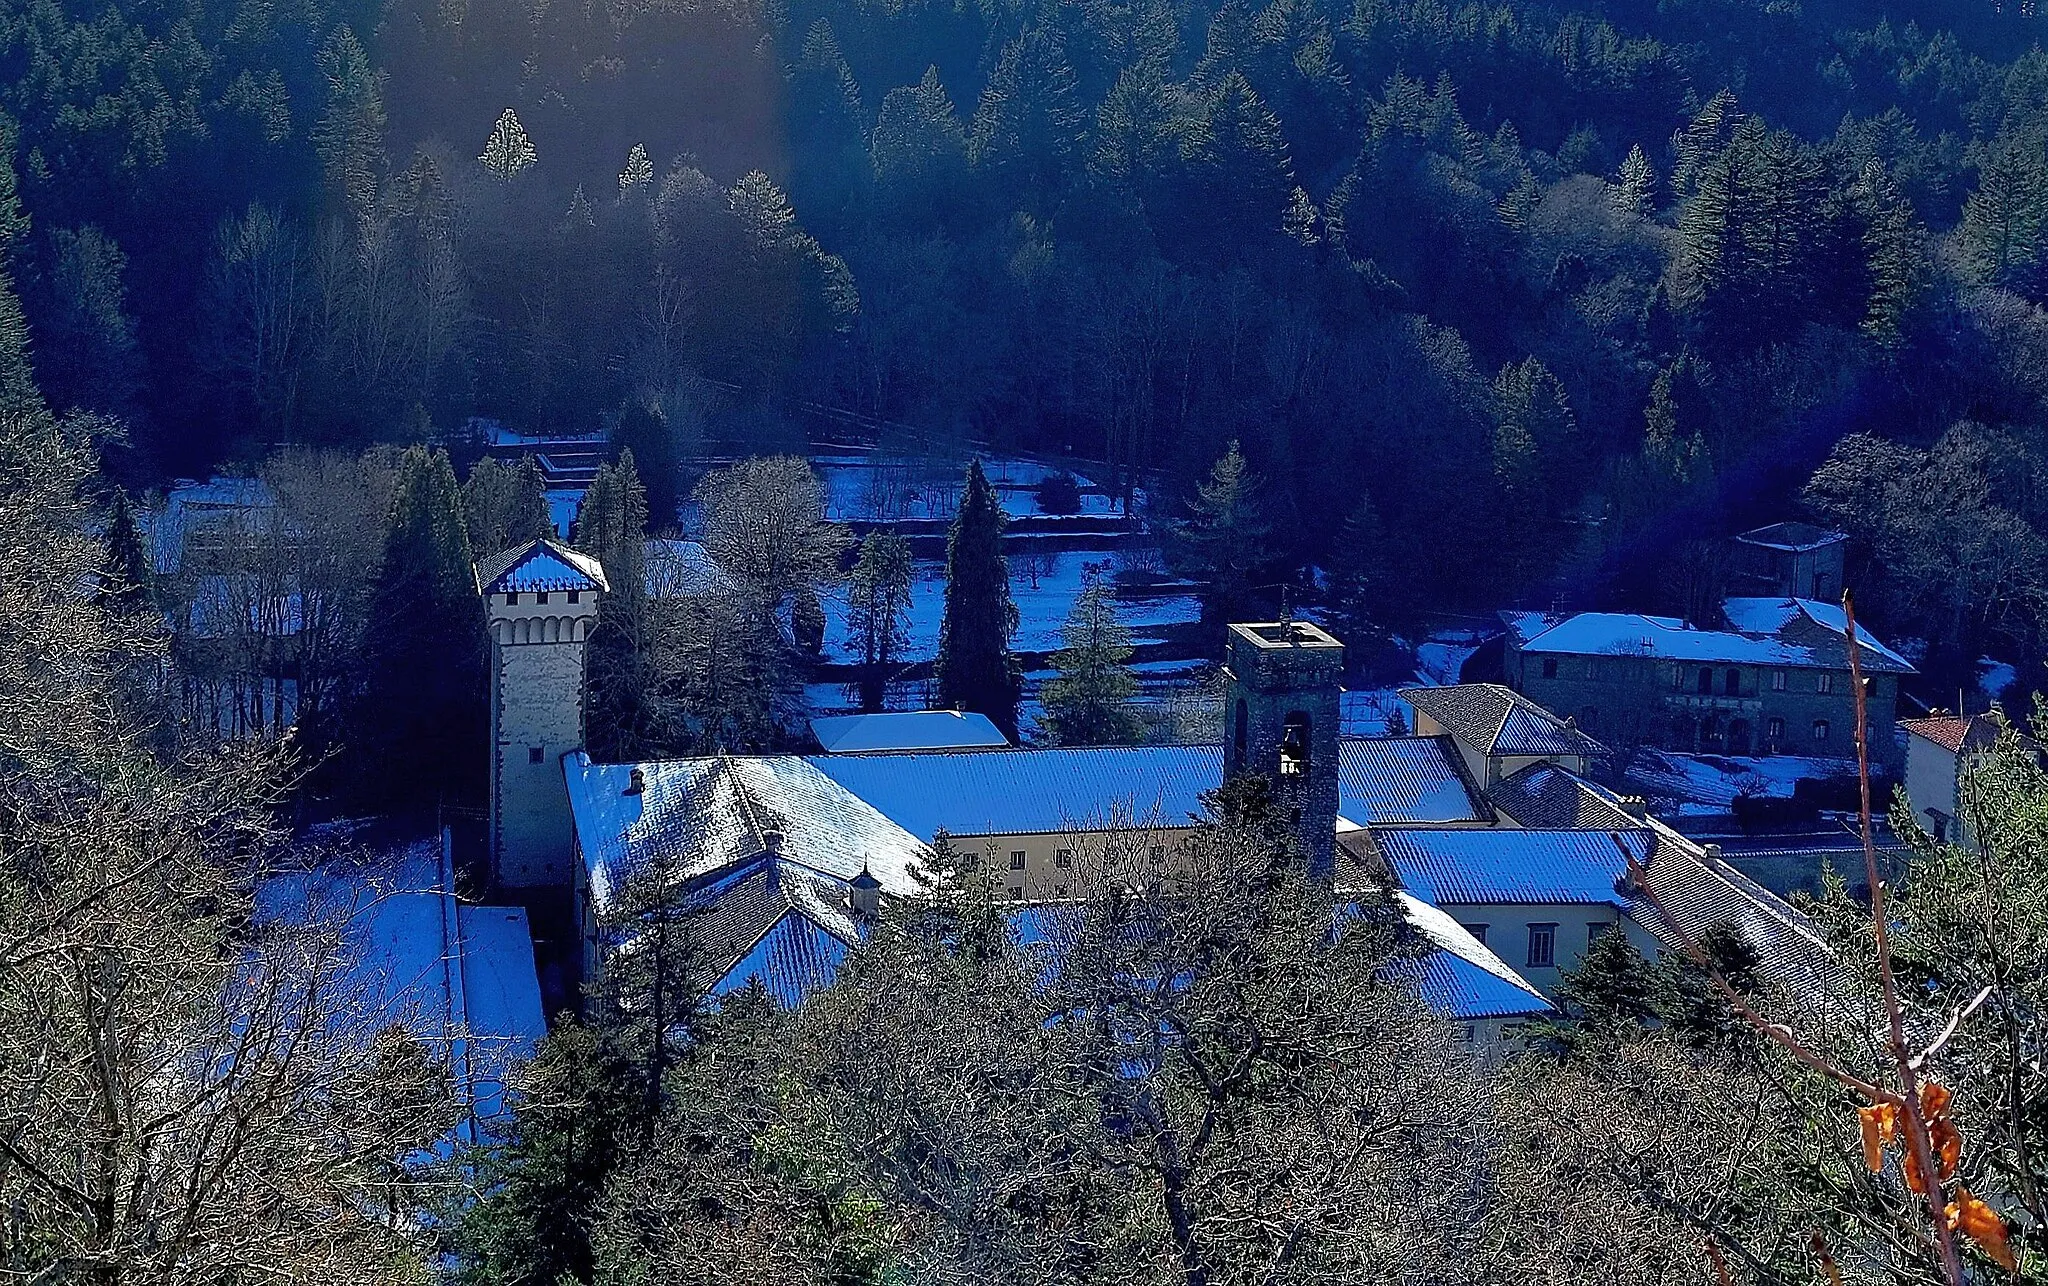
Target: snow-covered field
column 1044, row 602
column 1715, row 781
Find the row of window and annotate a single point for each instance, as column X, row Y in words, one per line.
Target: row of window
column 1061, row 858
column 540, row 597
column 1706, row 680
column 1542, row 945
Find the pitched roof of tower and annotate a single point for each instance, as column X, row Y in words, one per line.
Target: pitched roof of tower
column 539, row 566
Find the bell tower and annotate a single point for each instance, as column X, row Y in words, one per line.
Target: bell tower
column 1281, row 715
column 541, row 601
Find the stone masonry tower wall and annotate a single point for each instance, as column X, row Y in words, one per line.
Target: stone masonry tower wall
column 538, row 641
column 1281, row 717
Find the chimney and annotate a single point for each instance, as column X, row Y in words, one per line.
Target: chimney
column 864, row 897
column 638, row 785
column 771, row 843
column 1635, row 806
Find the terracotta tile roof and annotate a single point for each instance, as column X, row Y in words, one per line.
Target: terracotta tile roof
column 1945, row 731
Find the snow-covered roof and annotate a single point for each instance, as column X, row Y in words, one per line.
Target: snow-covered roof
column 539, row 566
column 1022, row 792
column 1509, row 867
column 192, row 507
column 1403, row 779
column 908, row 730
column 682, row 569
column 1496, row 720
column 1792, row 537
column 1781, row 633
column 460, row 979
column 1460, row 979
column 702, row 817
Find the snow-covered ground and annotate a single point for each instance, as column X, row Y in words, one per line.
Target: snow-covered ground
column 1714, row 782
column 878, row 488
column 1438, row 660
column 1042, row 607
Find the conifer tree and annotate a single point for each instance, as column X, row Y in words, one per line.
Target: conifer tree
column 919, row 147
column 1635, row 197
column 507, row 151
column 421, row 726
column 506, row 505
column 19, row 394
column 639, row 172
column 2005, row 220
column 1223, row 540
column 1536, row 436
column 974, row 669
column 1250, row 177
column 641, row 432
column 1894, row 249
column 1676, row 454
column 127, row 579
column 1089, row 701
column 1029, row 120
column 1361, row 606
column 349, row 136
column 612, row 528
column 879, row 600
column 831, row 123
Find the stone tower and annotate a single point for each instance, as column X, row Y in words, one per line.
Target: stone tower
column 541, row 600
column 1281, row 718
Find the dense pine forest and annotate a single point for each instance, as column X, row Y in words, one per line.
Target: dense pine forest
column 1504, row 302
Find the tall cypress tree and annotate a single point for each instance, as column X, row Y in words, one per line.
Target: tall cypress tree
column 613, row 529
column 126, row 583
column 975, row 670
column 421, row 725
column 643, row 435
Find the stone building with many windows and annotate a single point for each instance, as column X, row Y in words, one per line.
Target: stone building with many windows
column 1775, row 681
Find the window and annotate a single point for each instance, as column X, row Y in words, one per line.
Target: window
column 1594, row 932
column 1158, row 854
column 536, row 754
column 1064, row 859
column 1592, row 669
column 1731, row 683
column 1542, row 946
column 1241, row 720
column 1059, row 890
column 970, row 861
column 1016, row 892
column 1467, row 1033
column 1478, row 932
column 1820, row 731
column 1820, row 585
column 512, row 599
column 1706, row 681
column 1294, row 746
column 1677, row 678
column 1017, row 859
column 1775, row 730
column 1823, row 683
column 575, row 595
column 541, row 597
column 1549, row 667
column 1777, row 680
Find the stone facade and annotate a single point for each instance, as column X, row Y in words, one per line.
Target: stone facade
column 538, row 641
column 1283, row 714
column 1709, row 708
